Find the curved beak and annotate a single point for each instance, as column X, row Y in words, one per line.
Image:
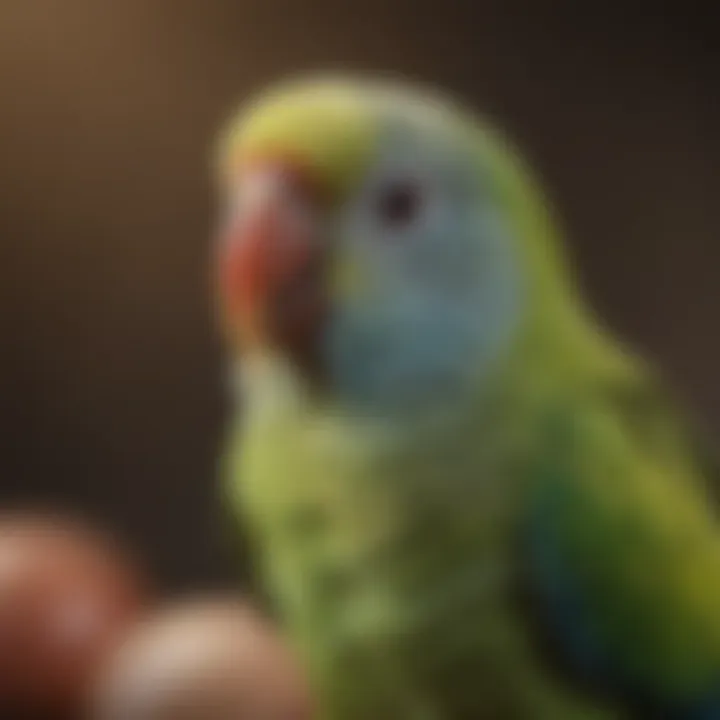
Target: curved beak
column 271, row 264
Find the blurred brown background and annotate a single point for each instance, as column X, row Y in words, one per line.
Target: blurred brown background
column 110, row 377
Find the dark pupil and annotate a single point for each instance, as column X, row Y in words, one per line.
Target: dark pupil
column 399, row 204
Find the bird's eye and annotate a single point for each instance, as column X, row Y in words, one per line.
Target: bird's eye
column 399, row 204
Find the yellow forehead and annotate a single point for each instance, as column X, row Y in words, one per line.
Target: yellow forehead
column 322, row 127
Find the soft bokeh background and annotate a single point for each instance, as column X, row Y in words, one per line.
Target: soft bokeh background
column 111, row 396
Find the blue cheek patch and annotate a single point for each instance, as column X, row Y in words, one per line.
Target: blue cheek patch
column 401, row 358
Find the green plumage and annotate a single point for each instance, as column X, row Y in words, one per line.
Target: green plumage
column 420, row 557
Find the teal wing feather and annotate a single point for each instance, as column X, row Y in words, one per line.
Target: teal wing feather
column 623, row 551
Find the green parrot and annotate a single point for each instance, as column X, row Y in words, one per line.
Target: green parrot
column 467, row 499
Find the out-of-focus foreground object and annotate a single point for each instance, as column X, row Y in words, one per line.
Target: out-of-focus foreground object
column 67, row 594
column 206, row 659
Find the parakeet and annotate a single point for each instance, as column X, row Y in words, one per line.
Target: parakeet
column 468, row 499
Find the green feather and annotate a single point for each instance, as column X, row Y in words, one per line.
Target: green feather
column 394, row 545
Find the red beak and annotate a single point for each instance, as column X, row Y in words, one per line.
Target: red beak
column 272, row 263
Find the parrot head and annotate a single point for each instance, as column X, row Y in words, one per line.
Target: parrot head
column 381, row 241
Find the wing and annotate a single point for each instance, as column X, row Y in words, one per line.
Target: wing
column 623, row 554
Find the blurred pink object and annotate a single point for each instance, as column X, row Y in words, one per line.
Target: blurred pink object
column 207, row 659
column 67, row 595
